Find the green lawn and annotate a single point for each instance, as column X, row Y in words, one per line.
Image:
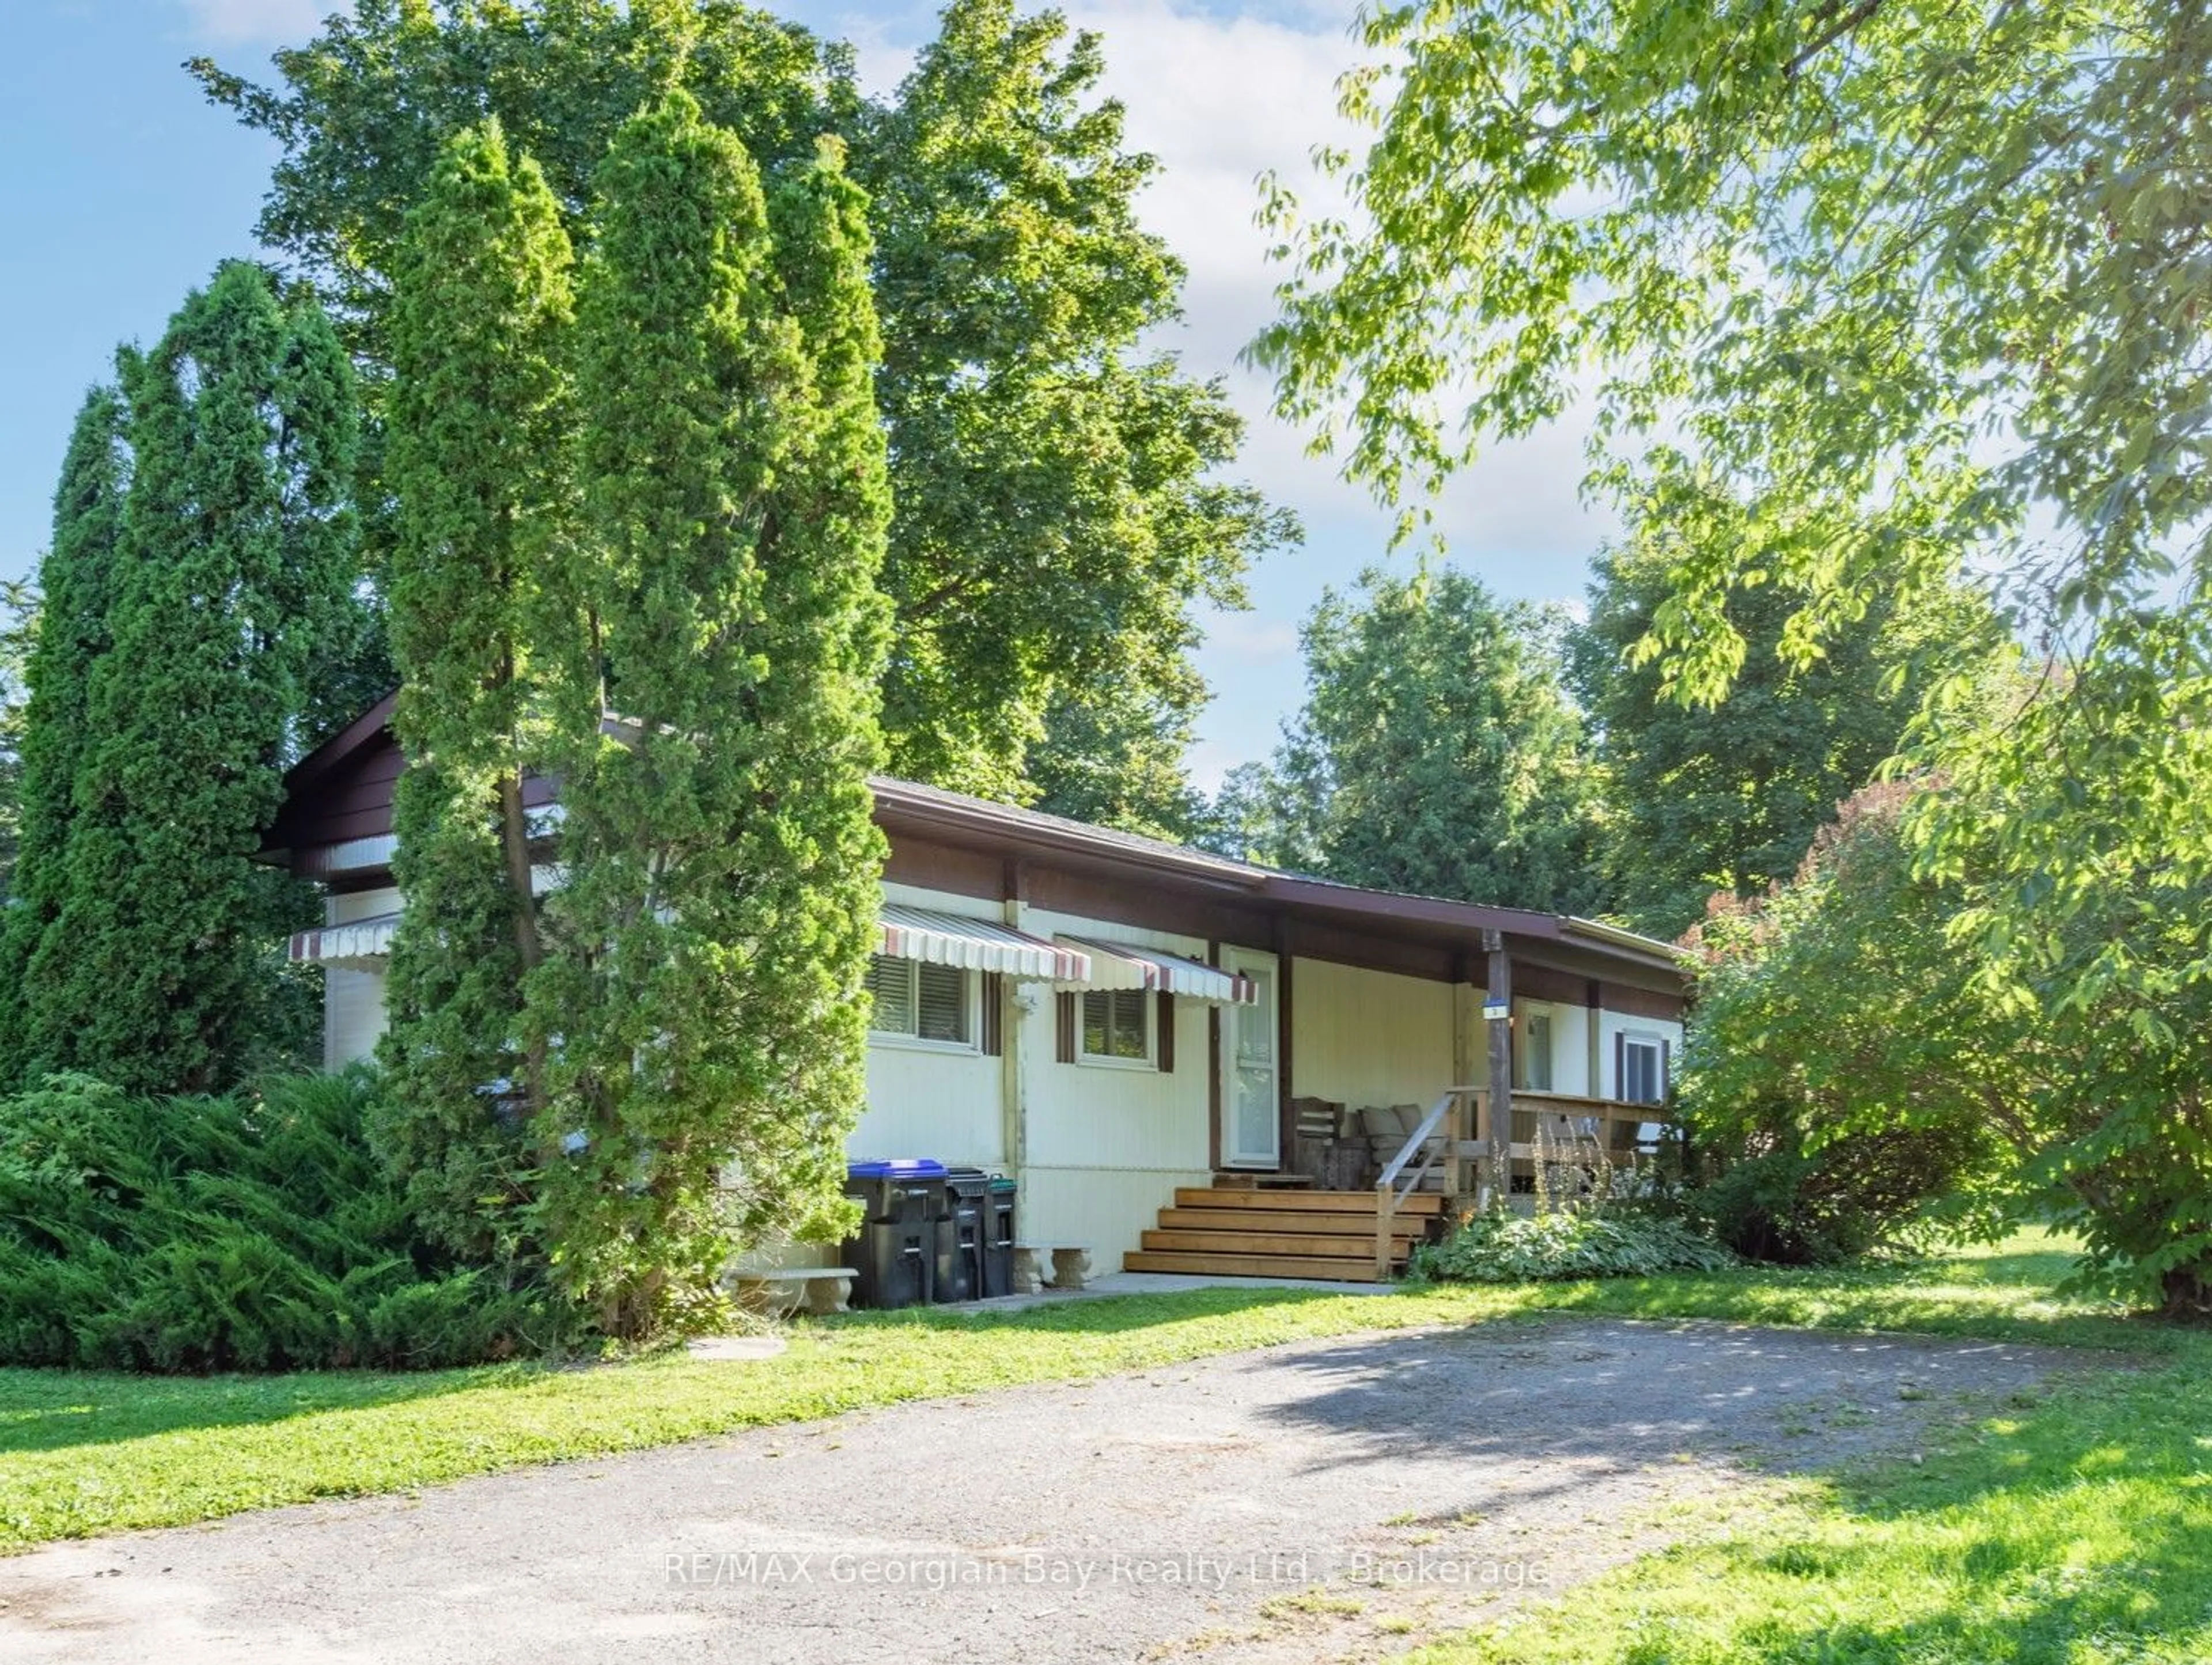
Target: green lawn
column 2069, row 1529
column 2074, row 1527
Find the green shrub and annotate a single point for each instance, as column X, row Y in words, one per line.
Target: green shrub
column 254, row 1231
column 1511, row 1249
column 1848, row 1084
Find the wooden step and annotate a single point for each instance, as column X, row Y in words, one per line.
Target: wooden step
column 1345, row 1271
column 1262, row 1243
column 1349, row 1202
column 1337, row 1224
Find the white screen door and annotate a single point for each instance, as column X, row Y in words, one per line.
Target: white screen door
column 1251, row 1134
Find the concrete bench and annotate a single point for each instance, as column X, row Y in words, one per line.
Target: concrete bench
column 820, row 1288
column 1071, row 1266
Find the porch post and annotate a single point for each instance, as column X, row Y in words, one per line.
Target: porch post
column 1013, row 1015
column 1459, row 1126
column 1498, row 1010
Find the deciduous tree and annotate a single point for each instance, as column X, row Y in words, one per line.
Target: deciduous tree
column 1059, row 509
column 1871, row 295
column 1060, row 512
column 1703, row 799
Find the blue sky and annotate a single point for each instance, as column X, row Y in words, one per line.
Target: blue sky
column 121, row 189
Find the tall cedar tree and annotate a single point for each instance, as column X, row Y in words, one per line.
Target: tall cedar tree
column 19, row 635
column 78, row 577
column 1058, row 519
column 1437, row 752
column 231, row 584
column 702, row 1007
column 478, row 458
column 1706, row 799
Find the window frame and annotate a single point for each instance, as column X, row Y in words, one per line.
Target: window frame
column 1147, row 1005
column 1658, row 1047
column 911, row 1040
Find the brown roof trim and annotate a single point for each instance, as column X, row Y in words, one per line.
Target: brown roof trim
column 911, row 803
column 934, row 808
column 906, row 805
column 1302, row 892
column 343, row 744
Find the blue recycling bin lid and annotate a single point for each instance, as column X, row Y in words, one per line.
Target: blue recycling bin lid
column 896, row 1168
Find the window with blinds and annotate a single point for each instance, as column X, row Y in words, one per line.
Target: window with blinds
column 940, row 1003
column 1117, row 1025
column 920, row 1002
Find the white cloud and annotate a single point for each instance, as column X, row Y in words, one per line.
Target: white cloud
column 249, row 23
column 1249, row 636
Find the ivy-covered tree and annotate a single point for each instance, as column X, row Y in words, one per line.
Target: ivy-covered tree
column 1059, row 513
column 231, row 582
column 485, row 634
column 77, row 575
column 701, row 1006
column 1437, row 753
column 1703, row 799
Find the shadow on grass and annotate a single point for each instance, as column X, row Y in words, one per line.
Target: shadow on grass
column 2068, row 1521
column 1103, row 1315
column 53, row 1410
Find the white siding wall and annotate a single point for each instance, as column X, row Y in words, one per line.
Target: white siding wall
column 1108, row 1145
column 923, row 1101
column 927, row 1103
column 1369, row 1037
column 1105, row 1147
column 1570, row 1030
column 353, row 1001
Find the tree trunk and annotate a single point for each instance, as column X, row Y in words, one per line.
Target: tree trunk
column 2188, row 1291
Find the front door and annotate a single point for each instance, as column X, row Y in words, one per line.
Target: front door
column 1252, row 1127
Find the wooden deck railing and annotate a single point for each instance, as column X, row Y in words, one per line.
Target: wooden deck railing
column 1467, row 1138
column 1388, row 1194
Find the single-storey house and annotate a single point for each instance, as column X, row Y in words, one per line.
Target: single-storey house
column 1112, row 1020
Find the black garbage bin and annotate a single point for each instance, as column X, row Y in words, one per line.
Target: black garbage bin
column 896, row 1264
column 895, row 1253
column 908, row 1188
column 998, row 1236
column 959, row 1270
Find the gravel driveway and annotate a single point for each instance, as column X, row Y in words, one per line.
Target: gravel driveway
column 1325, row 1498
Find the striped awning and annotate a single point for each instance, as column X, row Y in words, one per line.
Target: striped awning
column 358, row 945
column 917, row 934
column 1123, row 965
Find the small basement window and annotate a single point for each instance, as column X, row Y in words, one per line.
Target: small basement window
column 1117, row 1025
column 917, row 1001
column 1643, row 1070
